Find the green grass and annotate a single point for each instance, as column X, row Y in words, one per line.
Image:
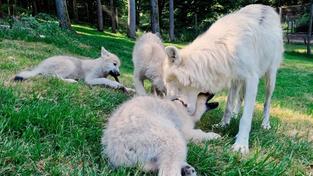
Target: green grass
column 48, row 127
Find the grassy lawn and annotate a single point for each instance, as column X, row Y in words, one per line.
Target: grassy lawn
column 49, row 127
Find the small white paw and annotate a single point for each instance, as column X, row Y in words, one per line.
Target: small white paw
column 212, row 135
column 188, row 171
column 266, row 126
column 242, row 148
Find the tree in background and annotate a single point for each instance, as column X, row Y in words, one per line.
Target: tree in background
column 131, row 18
column 310, row 30
column 155, row 25
column 1, row 15
column 113, row 16
column 171, row 11
column 75, row 12
column 100, row 15
column 62, row 14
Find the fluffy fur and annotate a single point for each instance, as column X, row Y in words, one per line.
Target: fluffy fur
column 70, row 69
column 235, row 52
column 148, row 57
column 152, row 132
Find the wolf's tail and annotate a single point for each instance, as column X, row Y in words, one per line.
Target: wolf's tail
column 26, row 74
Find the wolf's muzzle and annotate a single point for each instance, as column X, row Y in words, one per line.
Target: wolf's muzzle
column 115, row 74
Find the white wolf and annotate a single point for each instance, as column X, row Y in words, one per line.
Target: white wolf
column 152, row 132
column 70, row 69
column 236, row 51
column 148, row 57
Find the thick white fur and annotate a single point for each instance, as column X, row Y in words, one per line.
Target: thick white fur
column 152, row 132
column 70, row 69
column 148, row 57
column 235, row 52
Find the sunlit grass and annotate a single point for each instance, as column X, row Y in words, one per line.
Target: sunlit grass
column 48, row 127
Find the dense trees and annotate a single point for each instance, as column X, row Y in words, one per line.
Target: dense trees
column 191, row 17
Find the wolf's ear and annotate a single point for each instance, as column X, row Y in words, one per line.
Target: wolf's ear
column 104, row 52
column 173, row 55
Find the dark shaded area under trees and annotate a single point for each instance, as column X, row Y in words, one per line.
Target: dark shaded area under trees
column 191, row 17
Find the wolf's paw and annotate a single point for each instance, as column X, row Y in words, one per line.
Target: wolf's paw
column 266, row 126
column 242, row 148
column 188, row 170
column 212, row 136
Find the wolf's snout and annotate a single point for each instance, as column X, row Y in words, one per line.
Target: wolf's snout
column 211, row 106
column 114, row 73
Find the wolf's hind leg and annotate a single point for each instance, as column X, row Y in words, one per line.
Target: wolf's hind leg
column 173, row 155
column 270, row 79
column 138, row 83
column 232, row 101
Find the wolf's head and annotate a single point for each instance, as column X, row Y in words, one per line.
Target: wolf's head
column 181, row 77
column 111, row 63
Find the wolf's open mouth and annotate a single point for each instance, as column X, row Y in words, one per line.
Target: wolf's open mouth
column 115, row 75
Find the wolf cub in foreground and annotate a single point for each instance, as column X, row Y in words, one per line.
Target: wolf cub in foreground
column 148, row 57
column 153, row 133
column 71, row 69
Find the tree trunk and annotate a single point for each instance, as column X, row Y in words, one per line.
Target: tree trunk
column 1, row 14
column 62, row 13
column 310, row 31
column 138, row 13
column 116, row 16
column 34, row 8
column 131, row 18
column 161, row 4
column 113, row 16
column 155, row 26
column 172, row 35
column 75, row 12
column 100, row 16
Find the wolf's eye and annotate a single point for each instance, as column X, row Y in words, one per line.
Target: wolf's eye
column 114, row 64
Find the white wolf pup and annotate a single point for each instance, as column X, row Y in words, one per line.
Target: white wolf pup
column 153, row 133
column 70, row 69
column 148, row 57
column 236, row 51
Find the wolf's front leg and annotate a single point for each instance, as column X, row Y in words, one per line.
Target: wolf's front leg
column 105, row 82
column 197, row 135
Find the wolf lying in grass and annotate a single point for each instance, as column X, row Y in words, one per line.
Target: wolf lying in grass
column 235, row 52
column 153, row 133
column 70, row 69
column 148, row 58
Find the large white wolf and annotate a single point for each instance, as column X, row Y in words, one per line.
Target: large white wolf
column 152, row 132
column 148, row 57
column 236, row 51
column 70, row 69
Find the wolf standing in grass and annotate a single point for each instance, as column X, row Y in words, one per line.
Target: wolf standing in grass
column 153, row 133
column 70, row 69
column 148, row 58
column 235, row 52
